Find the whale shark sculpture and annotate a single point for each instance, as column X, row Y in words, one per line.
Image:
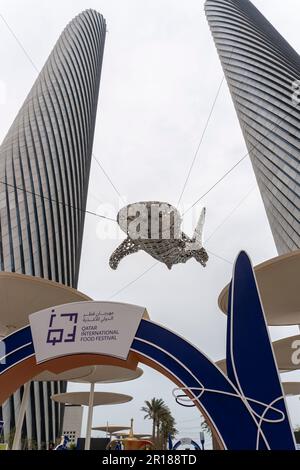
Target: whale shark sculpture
column 155, row 227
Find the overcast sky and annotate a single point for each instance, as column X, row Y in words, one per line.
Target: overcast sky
column 159, row 80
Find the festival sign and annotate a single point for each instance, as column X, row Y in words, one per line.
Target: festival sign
column 85, row 327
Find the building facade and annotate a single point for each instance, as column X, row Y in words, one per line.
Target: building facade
column 45, row 163
column 263, row 72
column 72, row 423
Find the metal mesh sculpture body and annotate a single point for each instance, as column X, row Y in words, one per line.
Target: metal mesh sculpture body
column 154, row 227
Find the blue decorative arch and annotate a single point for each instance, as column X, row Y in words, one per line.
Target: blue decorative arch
column 244, row 416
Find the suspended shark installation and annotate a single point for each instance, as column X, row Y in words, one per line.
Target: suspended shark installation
column 155, row 227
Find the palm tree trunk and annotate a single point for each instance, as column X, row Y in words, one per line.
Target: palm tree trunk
column 158, row 435
column 153, row 429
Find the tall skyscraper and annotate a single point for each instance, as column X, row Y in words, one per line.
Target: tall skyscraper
column 263, row 72
column 45, row 163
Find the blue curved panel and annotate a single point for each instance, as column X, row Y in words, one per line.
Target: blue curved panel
column 15, row 348
column 251, row 360
column 219, row 398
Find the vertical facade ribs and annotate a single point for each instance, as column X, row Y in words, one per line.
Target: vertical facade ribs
column 261, row 69
column 45, row 163
column 47, row 153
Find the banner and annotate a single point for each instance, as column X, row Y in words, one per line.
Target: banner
column 105, row 328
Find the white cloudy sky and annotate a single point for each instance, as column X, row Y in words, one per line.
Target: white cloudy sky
column 160, row 77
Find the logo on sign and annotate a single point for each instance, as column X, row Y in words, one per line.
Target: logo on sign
column 62, row 328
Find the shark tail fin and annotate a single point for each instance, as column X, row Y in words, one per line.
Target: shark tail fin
column 199, row 229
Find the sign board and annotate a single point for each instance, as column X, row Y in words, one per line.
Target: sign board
column 186, row 441
column 106, row 328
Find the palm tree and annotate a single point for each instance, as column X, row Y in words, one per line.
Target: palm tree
column 162, row 415
column 153, row 410
column 167, row 428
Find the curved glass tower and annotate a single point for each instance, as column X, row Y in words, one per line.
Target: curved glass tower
column 47, row 152
column 44, row 173
column 262, row 72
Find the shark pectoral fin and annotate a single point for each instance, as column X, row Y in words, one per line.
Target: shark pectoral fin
column 114, row 260
column 127, row 247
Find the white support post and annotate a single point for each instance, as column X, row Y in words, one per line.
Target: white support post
column 90, row 418
column 21, row 415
